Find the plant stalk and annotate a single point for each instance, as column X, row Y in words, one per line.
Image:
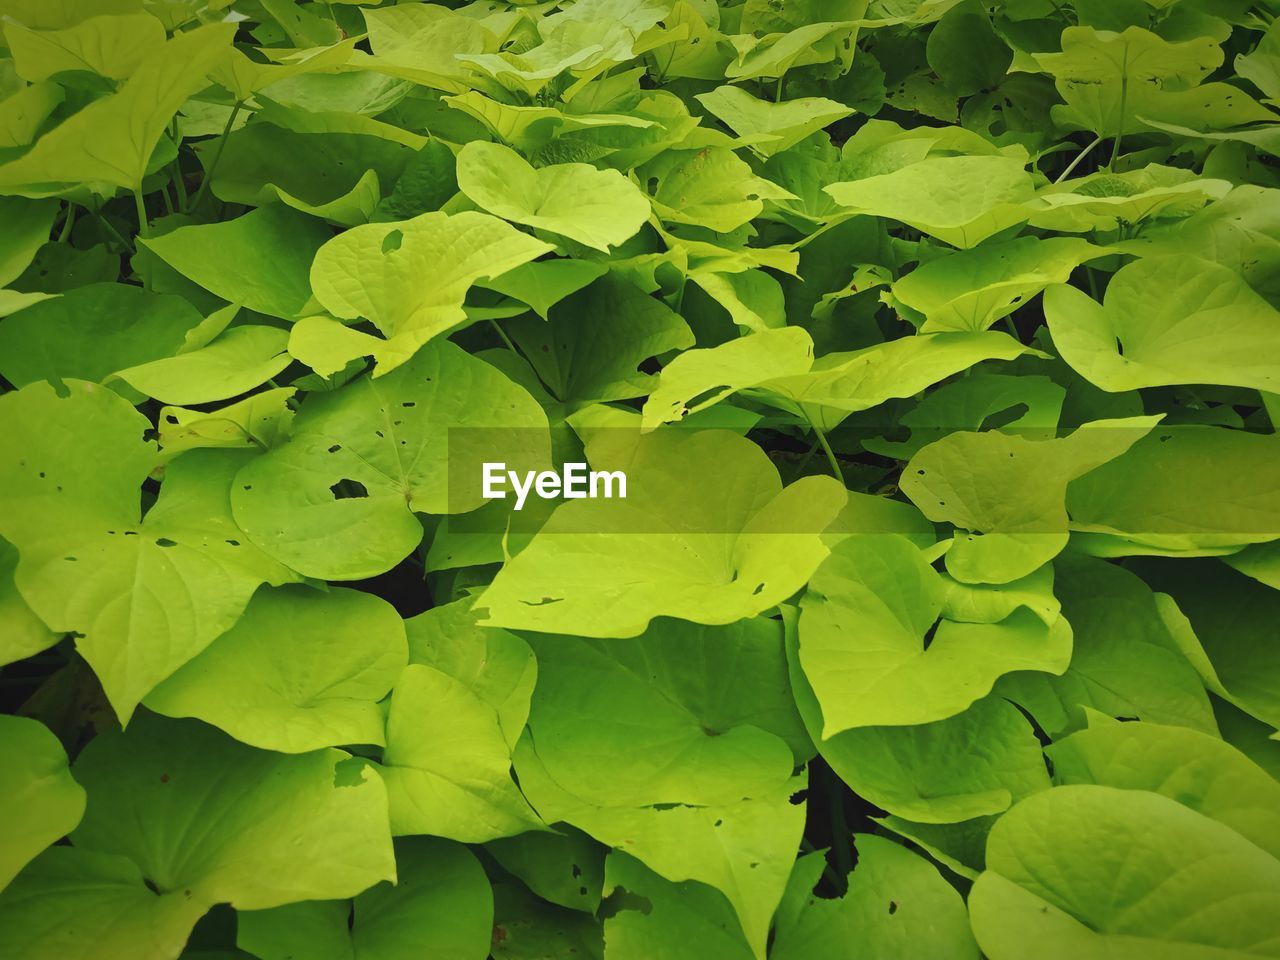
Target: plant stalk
column 141, row 206
column 1079, row 156
column 67, row 223
column 217, row 155
column 1124, row 96
column 107, row 226
column 839, row 829
column 826, row 448
column 505, row 339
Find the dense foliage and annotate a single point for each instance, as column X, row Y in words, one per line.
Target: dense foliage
column 938, row 340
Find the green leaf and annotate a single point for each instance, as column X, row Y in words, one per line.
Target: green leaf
column 863, row 625
column 1241, row 231
column 667, row 718
column 1008, row 492
column 529, row 72
column 319, row 929
column 374, row 272
column 24, row 112
column 244, row 77
column 236, row 362
column 601, row 568
column 260, row 260
column 1196, row 769
column 896, row 904
column 566, row 868
column 91, row 332
column 1226, row 494
column 109, row 142
column 164, row 585
column 528, row 928
column 1260, row 561
column 27, row 225
column 753, row 298
column 973, row 764
column 74, row 903
column 973, row 289
column 302, row 26
column 441, row 903
column 1227, row 616
column 427, row 182
column 447, row 764
column 1124, row 661
column 959, row 200
column 714, row 845
column 531, row 127
column 1089, row 871
column 709, row 188
column 343, row 179
column 1106, row 200
column 1168, row 320
column 544, row 283
column 40, row 801
column 22, row 633
column 844, row 383
column 966, row 52
column 698, row 54
column 60, row 14
column 1112, row 82
column 776, row 53
column 771, row 127
column 866, row 513
column 974, row 401
column 599, row 208
column 277, row 828
column 300, row 670
column 276, row 281
column 696, row 379
column 652, row 917
column 261, row 421
column 497, row 666
column 59, row 267
column 399, row 439
column 960, row 847
column 417, row 46
column 114, row 46
column 11, row 301
column 1262, row 66
column 583, row 361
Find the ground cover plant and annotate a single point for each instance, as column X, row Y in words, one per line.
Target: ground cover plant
column 938, row 341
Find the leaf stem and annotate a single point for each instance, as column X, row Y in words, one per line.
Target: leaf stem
column 1079, row 156
column 67, row 223
column 217, row 154
column 1124, row 95
column 107, row 225
column 179, row 188
column 175, row 169
column 839, row 828
column 141, row 206
column 804, row 461
column 505, row 339
column 826, row 448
